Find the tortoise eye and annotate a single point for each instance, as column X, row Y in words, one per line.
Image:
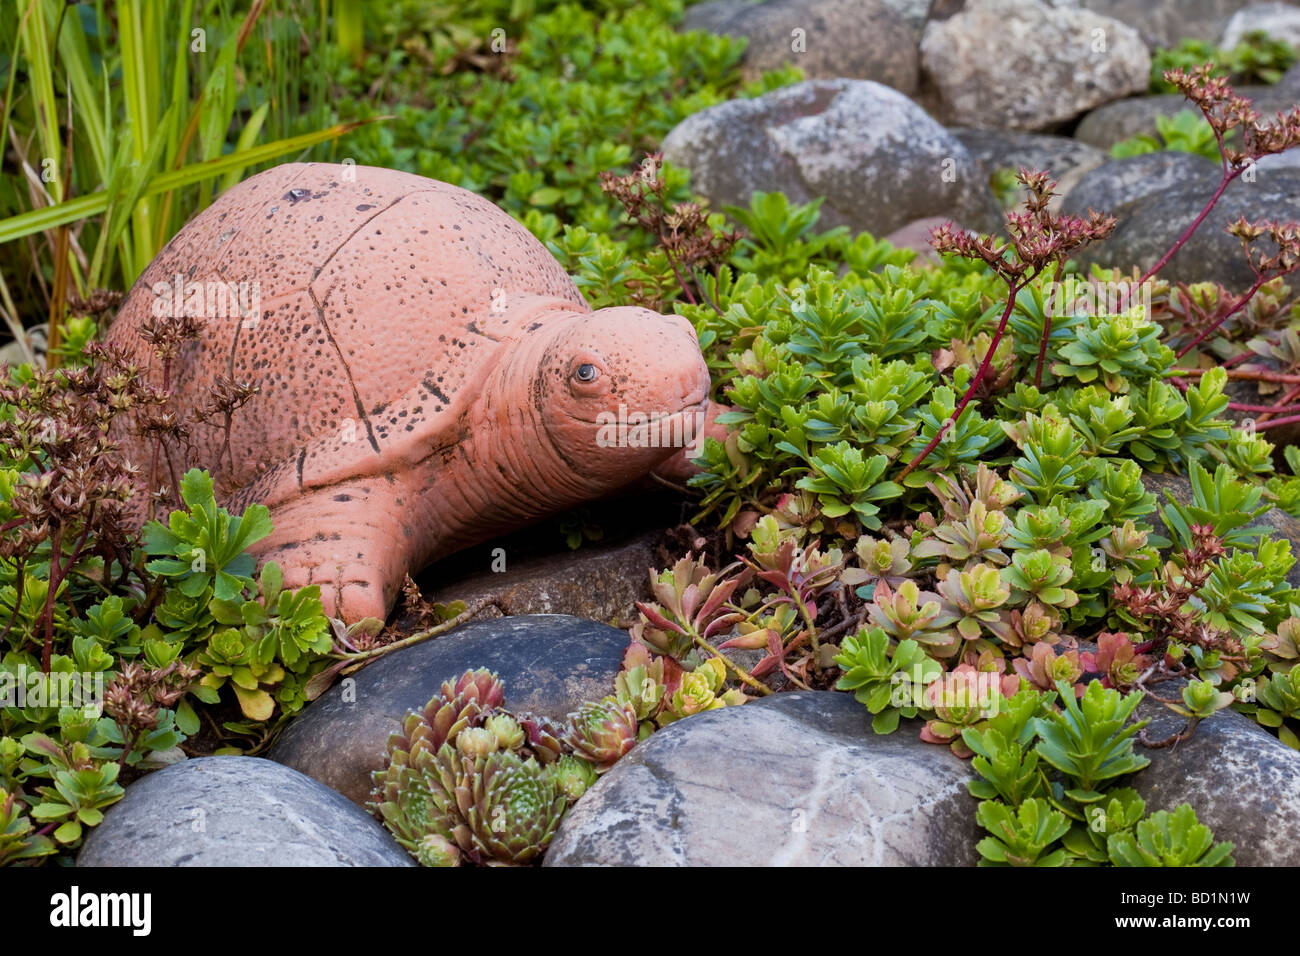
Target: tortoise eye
column 586, row 373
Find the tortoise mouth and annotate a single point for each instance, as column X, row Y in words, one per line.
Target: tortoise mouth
column 692, row 403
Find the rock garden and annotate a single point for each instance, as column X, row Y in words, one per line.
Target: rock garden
column 523, row 432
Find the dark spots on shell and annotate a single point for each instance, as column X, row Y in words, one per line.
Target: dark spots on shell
column 434, row 390
column 298, row 195
column 410, row 427
column 534, row 327
column 364, row 206
column 342, row 497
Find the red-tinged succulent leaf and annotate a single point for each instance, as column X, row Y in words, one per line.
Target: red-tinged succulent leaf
column 636, row 655
column 657, row 619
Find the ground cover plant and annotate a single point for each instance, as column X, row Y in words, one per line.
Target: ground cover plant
column 933, row 493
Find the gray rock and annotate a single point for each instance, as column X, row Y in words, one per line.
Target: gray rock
column 1275, row 521
column 236, row 811
column 1065, row 158
column 1021, row 64
column 712, row 16
column 914, row 12
column 794, row 780
column 1243, row 783
column 598, row 582
column 810, row 140
column 1150, row 226
column 1117, row 183
column 916, row 237
column 1162, row 23
column 804, row 771
column 1281, row 21
column 1290, row 81
column 860, row 39
column 1109, row 124
column 550, row 664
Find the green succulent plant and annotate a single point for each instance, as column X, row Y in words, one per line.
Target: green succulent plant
column 468, row 781
column 1019, row 837
column 508, row 808
column 1169, row 839
column 888, row 682
column 1090, row 740
column 603, row 731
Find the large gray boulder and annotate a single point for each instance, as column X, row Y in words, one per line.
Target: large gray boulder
column 800, row 780
column 1281, row 21
column 1118, row 183
column 862, row 39
column 797, row 779
column 236, row 811
column 1243, row 783
column 878, row 158
column 600, row 582
column 1065, row 158
column 550, row 665
column 1162, row 23
column 1149, row 227
column 1124, row 119
column 1021, row 64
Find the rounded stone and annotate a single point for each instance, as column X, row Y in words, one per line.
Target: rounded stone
column 550, row 665
column 1124, row 119
column 809, row 140
column 1280, row 21
column 1022, row 64
column 802, row 770
column 860, row 39
column 236, row 811
column 1148, row 228
column 1066, row 159
column 1115, row 184
column 1163, row 23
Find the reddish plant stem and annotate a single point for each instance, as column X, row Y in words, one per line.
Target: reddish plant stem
column 1274, row 422
column 1279, row 409
column 1236, row 307
column 1228, row 176
column 1236, row 359
column 1047, row 326
column 1284, row 409
column 1248, row 375
column 1014, row 288
column 1266, row 409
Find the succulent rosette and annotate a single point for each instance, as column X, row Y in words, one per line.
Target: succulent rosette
column 603, row 731
column 509, row 809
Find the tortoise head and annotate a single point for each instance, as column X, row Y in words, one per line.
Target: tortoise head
column 621, row 390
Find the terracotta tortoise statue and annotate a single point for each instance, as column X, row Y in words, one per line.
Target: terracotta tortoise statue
column 429, row 375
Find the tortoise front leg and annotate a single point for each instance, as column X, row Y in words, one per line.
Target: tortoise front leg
column 355, row 539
